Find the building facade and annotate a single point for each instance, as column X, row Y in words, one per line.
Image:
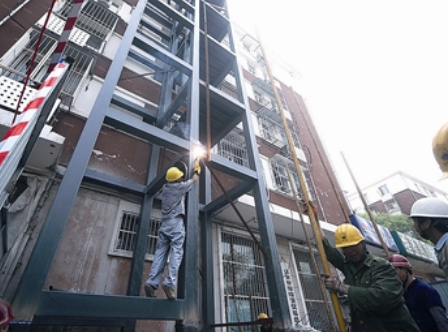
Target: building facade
column 148, row 81
column 394, row 194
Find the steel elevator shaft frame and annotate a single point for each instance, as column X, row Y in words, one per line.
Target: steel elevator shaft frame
column 186, row 55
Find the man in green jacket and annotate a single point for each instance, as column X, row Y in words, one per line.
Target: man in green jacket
column 375, row 293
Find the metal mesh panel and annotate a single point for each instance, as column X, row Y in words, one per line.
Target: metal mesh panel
column 128, row 231
column 317, row 315
column 244, row 280
column 233, row 147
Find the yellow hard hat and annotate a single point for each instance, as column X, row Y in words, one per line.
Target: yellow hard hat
column 173, row 174
column 440, row 149
column 347, row 235
column 262, row 316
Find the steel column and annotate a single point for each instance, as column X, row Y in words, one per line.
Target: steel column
column 26, row 299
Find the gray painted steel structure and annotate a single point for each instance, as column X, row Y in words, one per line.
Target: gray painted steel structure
column 65, row 308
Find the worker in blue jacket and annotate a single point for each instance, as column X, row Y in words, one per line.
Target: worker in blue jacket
column 423, row 301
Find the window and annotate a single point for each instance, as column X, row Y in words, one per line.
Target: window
column 259, row 97
column 96, row 19
column 392, row 206
column 266, row 129
column 233, row 147
column 244, row 280
column 19, row 58
column 383, row 190
column 126, row 232
column 316, row 308
column 281, row 178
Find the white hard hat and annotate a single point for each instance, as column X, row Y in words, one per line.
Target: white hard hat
column 429, row 207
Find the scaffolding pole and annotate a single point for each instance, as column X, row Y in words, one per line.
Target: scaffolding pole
column 366, row 207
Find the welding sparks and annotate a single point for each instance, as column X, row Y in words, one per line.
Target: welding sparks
column 198, row 152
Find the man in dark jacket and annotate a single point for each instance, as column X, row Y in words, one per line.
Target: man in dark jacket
column 375, row 294
column 423, row 301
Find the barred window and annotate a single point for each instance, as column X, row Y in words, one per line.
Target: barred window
column 281, row 177
column 96, row 18
column 18, row 59
column 244, row 280
column 233, row 147
column 316, row 307
column 126, row 232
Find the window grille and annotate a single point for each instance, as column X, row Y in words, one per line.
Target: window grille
column 266, row 128
column 259, row 97
column 233, row 147
column 127, row 231
column 244, row 280
column 280, row 176
column 316, row 308
column 78, row 71
column 95, row 19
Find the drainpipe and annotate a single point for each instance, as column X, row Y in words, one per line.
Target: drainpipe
column 14, row 11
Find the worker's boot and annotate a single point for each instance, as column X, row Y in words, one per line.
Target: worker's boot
column 150, row 291
column 169, row 292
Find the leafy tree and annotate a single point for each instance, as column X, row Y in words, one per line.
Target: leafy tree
column 400, row 223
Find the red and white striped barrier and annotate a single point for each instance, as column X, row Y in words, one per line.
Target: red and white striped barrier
column 14, row 141
column 65, row 35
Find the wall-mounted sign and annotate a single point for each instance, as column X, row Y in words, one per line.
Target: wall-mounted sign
column 292, row 300
column 368, row 231
column 410, row 246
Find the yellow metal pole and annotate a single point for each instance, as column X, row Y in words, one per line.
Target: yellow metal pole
column 310, row 247
column 338, row 197
column 366, row 207
column 314, row 224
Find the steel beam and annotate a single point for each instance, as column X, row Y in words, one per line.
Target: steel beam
column 151, row 47
column 114, row 182
column 147, row 115
column 129, row 124
column 178, row 101
column 189, row 287
column 222, row 201
column 174, row 14
column 228, row 167
column 95, row 306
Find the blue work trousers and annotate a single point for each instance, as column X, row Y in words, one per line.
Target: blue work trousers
column 171, row 236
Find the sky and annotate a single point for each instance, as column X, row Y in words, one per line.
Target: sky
column 373, row 74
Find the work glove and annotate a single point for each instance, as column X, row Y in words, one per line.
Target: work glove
column 305, row 208
column 197, row 167
column 334, row 284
